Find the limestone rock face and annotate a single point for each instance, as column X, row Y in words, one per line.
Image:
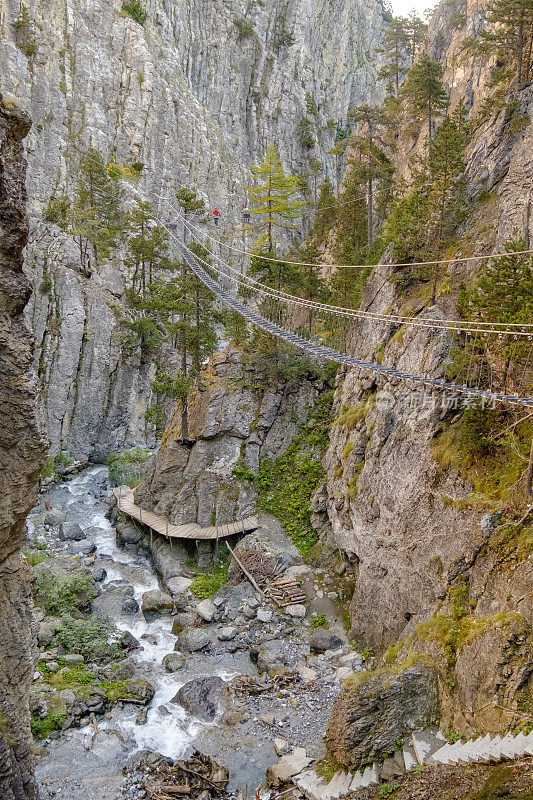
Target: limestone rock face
column 21, row 458
column 374, row 711
column 239, row 416
column 195, row 95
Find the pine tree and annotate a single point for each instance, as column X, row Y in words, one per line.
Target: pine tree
column 273, row 197
column 147, row 247
column 94, row 217
column 424, row 90
column 416, row 32
column 512, row 33
column 315, row 171
column 191, row 204
column 375, row 165
column 325, row 211
column 396, row 44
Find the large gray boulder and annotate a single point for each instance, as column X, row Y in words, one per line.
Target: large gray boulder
column 193, row 640
column 200, row 696
column 71, row 532
column 155, row 601
column 376, row 709
column 322, row 640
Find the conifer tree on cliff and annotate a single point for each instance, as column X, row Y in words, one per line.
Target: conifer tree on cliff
column 511, row 32
column 395, row 50
column 274, row 201
column 424, row 90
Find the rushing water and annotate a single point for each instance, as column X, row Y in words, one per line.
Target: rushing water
column 168, row 729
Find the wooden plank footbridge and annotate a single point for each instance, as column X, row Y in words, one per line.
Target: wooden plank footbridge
column 126, row 504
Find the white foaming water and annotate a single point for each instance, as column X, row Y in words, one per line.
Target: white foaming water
column 169, row 731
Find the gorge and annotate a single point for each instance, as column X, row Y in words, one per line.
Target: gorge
column 397, row 506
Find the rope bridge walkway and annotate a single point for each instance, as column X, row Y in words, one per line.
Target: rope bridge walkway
column 127, row 505
column 321, row 351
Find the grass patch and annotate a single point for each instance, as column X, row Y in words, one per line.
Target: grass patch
column 136, row 11
column 319, row 622
column 285, row 485
column 127, row 468
column 349, row 416
column 209, row 580
column 453, row 633
column 43, row 727
column 492, row 463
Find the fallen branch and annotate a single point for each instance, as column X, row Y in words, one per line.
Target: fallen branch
column 247, row 574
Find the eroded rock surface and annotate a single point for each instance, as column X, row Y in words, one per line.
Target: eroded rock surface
column 21, row 457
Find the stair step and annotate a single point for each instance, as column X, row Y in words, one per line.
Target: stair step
column 314, row 787
column 339, row 785
column 393, row 767
column 409, row 758
column 367, row 778
column 426, row 742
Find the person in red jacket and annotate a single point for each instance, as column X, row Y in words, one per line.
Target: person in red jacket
column 216, row 215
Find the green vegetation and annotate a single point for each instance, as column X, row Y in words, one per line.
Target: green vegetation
column 424, row 90
column 210, row 579
column 63, row 594
column 285, row 485
column 127, row 468
column 452, row 633
column 244, row 26
column 87, row 637
column 490, row 458
column 386, row 789
column 41, row 727
column 61, row 459
column 136, row 11
column 281, row 36
column 25, row 30
column 319, row 621
column 34, row 557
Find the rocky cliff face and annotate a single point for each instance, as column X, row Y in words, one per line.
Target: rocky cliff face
column 406, row 521
column 195, row 95
column 241, row 414
column 21, row 457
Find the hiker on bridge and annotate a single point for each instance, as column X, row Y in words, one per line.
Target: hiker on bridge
column 216, row 215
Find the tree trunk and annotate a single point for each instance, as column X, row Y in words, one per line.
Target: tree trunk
column 370, row 215
column 529, row 476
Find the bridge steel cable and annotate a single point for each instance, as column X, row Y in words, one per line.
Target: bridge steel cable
column 321, row 351
column 459, row 326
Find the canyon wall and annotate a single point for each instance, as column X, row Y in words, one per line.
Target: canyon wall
column 396, row 501
column 195, row 95
column 21, row 458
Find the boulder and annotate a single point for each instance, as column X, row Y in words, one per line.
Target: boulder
column 227, row 633
column 264, row 614
column 200, row 696
column 47, row 629
column 155, row 601
column 128, row 533
column 139, row 690
column 268, row 656
column 376, row 709
column 71, row 659
column 128, row 642
column 54, row 517
column 178, row 585
column 70, row 532
column 173, row 662
column 322, row 640
column 206, row 610
column 130, row 606
column 99, row 574
column 287, row 767
column 298, row 611
column 81, row 548
column 193, row 640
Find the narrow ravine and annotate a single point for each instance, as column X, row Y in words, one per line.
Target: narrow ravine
column 78, row 759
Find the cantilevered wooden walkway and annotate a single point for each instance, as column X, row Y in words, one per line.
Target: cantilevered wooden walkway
column 161, row 525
